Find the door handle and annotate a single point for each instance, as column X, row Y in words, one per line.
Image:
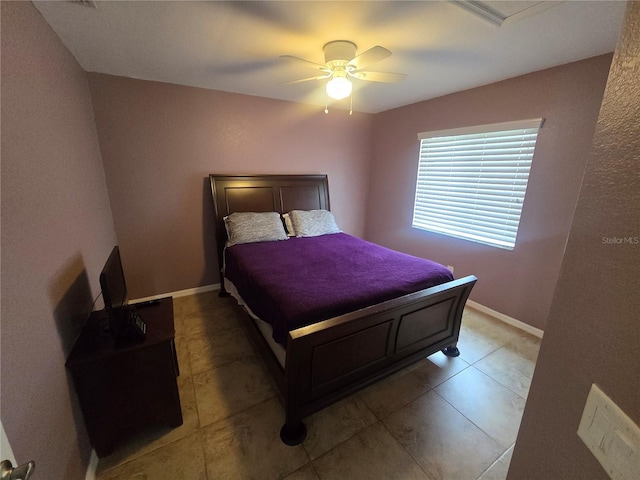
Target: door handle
column 22, row 472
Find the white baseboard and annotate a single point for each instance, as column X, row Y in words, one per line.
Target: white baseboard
column 93, row 466
column 506, row 319
column 179, row 293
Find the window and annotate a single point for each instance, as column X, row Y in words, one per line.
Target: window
column 471, row 181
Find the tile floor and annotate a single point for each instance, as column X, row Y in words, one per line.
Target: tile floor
column 442, row 418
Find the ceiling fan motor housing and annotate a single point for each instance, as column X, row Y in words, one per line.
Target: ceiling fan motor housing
column 339, row 52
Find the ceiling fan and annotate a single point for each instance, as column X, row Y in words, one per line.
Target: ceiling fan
column 342, row 65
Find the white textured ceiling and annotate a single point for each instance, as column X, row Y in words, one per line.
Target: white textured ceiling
column 235, row 46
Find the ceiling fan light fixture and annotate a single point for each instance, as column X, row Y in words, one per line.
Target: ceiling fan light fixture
column 339, row 86
column 342, row 65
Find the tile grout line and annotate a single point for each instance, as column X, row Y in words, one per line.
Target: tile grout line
column 474, row 423
column 492, row 465
column 350, row 437
column 497, row 380
column 404, row 448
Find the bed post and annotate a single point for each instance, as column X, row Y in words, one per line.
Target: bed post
column 293, row 432
column 451, row 351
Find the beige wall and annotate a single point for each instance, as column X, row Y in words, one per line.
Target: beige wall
column 160, row 141
column 593, row 332
column 518, row 283
column 57, row 233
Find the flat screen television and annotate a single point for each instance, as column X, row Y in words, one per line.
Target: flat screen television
column 125, row 324
column 114, row 288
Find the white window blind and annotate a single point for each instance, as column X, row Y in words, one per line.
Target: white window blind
column 472, row 181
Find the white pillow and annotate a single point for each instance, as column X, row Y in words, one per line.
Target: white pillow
column 250, row 227
column 311, row 223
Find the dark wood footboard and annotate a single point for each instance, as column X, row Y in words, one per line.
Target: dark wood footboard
column 332, row 359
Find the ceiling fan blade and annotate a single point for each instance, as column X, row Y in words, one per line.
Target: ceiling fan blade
column 317, row 77
column 382, row 77
column 309, row 63
column 366, row 58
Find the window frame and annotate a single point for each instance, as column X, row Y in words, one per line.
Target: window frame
column 475, row 177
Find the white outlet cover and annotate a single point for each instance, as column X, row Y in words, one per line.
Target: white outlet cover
column 612, row 437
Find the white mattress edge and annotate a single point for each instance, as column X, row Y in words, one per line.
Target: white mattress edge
column 265, row 328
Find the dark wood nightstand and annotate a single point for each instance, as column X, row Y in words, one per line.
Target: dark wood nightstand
column 127, row 389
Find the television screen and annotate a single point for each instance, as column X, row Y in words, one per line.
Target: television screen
column 114, row 288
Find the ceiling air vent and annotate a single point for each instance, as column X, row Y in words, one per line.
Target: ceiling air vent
column 499, row 12
column 86, row 3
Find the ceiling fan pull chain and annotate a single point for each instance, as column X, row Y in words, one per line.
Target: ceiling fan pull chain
column 326, row 102
column 351, row 104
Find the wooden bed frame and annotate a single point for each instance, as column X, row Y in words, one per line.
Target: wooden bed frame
column 332, row 359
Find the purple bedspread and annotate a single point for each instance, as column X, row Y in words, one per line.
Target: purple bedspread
column 300, row 281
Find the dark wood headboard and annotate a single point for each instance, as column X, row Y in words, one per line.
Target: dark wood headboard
column 264, row 193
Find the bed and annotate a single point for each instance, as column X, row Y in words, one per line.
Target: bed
column 324, row 356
